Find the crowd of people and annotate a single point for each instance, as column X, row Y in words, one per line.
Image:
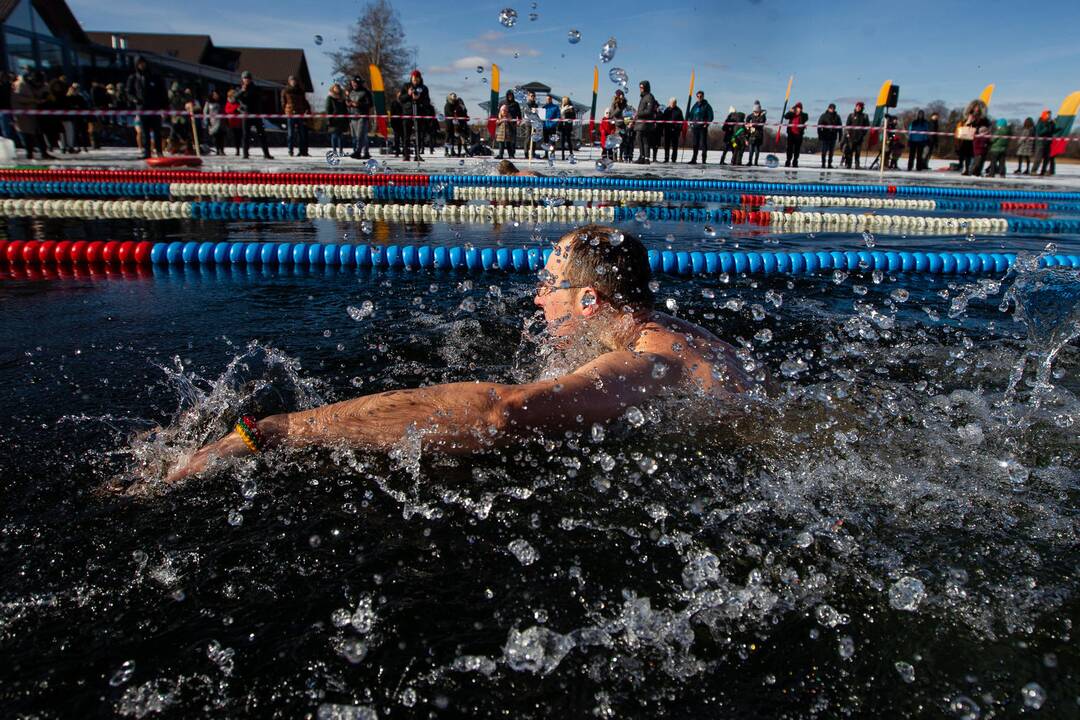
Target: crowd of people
column 627, row 132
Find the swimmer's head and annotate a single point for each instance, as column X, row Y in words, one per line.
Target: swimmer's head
column 594, row 268
column 507, row 168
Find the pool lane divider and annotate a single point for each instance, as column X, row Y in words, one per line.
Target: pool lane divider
column 569, row 181
column 48, row 253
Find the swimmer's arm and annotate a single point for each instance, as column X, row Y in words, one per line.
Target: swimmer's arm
column 459, row 418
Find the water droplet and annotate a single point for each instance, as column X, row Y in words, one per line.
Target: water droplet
column 1014, row 471
column 1034, row 695
column 603, row 164
column 236, row 519
column 618, row 76
column 573, row 37
column 318, row 39
column 964, row 708
column 906, row 594
column 351, row 649
column 654, row 286
column 906, row 671
column 634, row 416
column 588, row 299
column 846, row 647
column 828, row 616
column 757, row 312
column 365, row 227
column 671, row 304
column 607, row 50
column 333, row 159
column 612, row 141
column 121, row 676
column 508, row 17
column 479, row 69
column 359, row 313
column 900, row 295
column 709, row 231
column 647, row 465
column 868, row 238
column 641, row 215
column 533, row 17
column 771, row 161
column 596, row 432
column 523, row 551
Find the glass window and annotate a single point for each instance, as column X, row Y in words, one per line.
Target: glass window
column 20, row 52
column 52, row 56
column 20, row 16
column 40, row 26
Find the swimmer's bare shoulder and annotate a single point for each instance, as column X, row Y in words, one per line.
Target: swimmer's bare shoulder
column 703, row 358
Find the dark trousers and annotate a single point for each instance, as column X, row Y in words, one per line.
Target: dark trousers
column 755, row 154
column 219, row 140
column 32, row 140
column 852, row 149
column 794, row 148
column 997, row 164
column 1020, row 160
column 671, row 146
column 297, row 133
column 151, row 133
column 915, row 156
column 566, row 138
column 701, row 142
column 828, row 148
column 644, row 143
column 255, row 124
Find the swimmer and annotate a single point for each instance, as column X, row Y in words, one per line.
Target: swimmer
column 508, row 168
column 594, row 288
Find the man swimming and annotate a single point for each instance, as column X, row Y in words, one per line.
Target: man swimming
column 595, row 285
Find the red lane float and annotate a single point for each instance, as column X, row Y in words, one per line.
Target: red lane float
column 61, row 253
column 14, row 251
column 159, row 174
column 175, row 161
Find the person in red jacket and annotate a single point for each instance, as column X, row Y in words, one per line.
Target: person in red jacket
column 234, row 123
column 796, row 128
column 606, row 128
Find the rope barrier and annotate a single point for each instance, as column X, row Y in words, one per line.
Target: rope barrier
column 34, row 253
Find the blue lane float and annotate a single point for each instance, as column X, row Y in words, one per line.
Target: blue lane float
column 669, row 262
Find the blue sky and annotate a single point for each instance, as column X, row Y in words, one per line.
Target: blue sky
column 741, row 51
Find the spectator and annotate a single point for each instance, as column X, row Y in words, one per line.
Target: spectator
column 450, row 115
column 1026, row 147
column 215, row 125
column 7, row 83
column 336, row 105
column 854, row 132
column 250, row 103
column 672, row 128
column 606, row 128
column 796, row 128
column 513, row 115
column 359, row 102
column 829, row 126
column 1044, row 133
column 647, row 112
column 980, row 148
column 99, row 100
column 233, row 125
column 551, row 125
column 755, row 130
column 505, row 130
column 397, row 124
column 618, row 114
column 932, row 127
column 728, row 129
column 917, row 139
column 700, row 116
column 568, row 115
column 974, row 122
column 146, row 92
column 294, row 102
column 75, row 124
column 894, row 147
column 464, row 133
column 999, row 146
column 29, row 94
column 180, row 137
column 415, row 100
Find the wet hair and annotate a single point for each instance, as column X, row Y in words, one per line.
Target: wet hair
column 619, row 271
column 507, row 168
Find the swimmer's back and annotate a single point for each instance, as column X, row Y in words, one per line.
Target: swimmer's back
column 706, row 361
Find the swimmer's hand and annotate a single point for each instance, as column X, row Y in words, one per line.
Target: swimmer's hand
column 229, row 446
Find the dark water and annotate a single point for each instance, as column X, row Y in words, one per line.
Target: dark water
column 895, row 535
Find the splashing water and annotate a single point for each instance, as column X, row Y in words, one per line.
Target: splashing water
column 607, row 50
column 508, row 17
column 573, row 37
column 618, row 76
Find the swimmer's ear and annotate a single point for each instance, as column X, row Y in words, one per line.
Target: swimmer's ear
column 589, row 304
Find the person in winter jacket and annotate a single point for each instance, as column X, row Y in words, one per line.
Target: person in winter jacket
column 999, row 145
column 359, row 102
column 854, row 131
column 215, row 126
column 980, row 149
column 250, row 102
column 451, row 112
column 648, row 111
column 146, row 92
column 699, row 117
column 968, row 136
column 796, row 129
column 294, row 102
column 568, row 115
column 336, row 104
column 512, row 117
column 619, row 113
column 1044, row 132
column 415, row 100
column 29, row 94
column 606, row 128
column 672, row 129
column 1026, row 147
column 917, row 139
column 550, row 113
column 755, row 132
column 233, row 124
column 733, row 120
column 932, row 127
column 894, row 142
column 828, row 131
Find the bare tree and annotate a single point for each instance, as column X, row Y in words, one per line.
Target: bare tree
column 378, row 39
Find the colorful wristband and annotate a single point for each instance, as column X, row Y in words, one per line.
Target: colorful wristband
column 249, row 432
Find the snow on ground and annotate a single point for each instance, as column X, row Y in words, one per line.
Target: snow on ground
column 1068, row 177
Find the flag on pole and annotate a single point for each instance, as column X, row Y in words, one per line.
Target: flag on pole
column 986, row 94
column 689, row 99
column 1064, row 123
column 879, row 111
column 493, row 110
column 787, row 98
column 378, row 94
column 592, row 112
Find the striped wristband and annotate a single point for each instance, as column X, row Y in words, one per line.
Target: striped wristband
column 249, row 432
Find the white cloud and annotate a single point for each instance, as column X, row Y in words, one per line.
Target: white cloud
column 470, row 62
